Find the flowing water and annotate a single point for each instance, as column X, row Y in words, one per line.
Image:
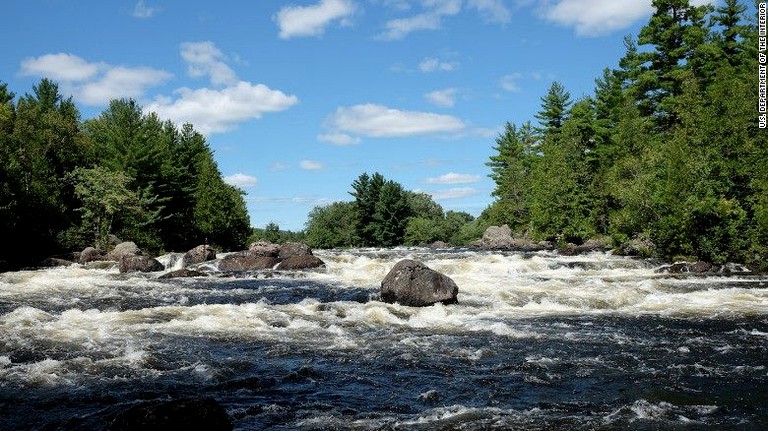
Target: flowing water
column 537, row 341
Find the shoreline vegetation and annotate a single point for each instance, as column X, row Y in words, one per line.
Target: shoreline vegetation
column 664, row 160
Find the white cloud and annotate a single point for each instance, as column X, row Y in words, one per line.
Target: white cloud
column 241, row 180
column 94, row 83
column 431, row 19
column 380, row 121
column 298, row 21
column 60, row 67
column 310, row 165
column 510, row 82
column 455, row 193
column 445, row 98
column 204, row 58
column 120, row 82
column 213, row 111
column 141, row 10
column 340, row 139
column 277, row 166
column 597, row 17
column 432, row 64
column 492, row 10
column 454, row 178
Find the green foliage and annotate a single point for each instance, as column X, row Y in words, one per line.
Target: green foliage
column 272, row 233
column 333, row 226
column 666, row 151
column 126, row 173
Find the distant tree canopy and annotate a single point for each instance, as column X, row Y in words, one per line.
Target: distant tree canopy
column 667, row 148
column 384, row 214
column 67, row 184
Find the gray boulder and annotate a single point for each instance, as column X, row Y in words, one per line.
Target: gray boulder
column 414, row 284
column 199, row 254
column 264, row 248
column 89, row 254
column 291, row 249
column 128, row 248
column 497, row 237
column 246, row 261
column 140, row 264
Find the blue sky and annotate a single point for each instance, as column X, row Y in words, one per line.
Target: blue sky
column 298, row 98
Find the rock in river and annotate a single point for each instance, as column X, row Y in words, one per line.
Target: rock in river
column 414, row 284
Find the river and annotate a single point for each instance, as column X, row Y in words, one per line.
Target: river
column 538, row 341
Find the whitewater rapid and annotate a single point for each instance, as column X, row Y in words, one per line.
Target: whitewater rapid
column 569, row 320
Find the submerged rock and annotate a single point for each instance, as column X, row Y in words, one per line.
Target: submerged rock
column 181, row 273
column 203, row 414
column 300, row 262
column 414, row 284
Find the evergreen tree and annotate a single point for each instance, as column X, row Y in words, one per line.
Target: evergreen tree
column 554, row 110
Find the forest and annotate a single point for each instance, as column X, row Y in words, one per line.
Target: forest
column 666, row 152
column 66, row 184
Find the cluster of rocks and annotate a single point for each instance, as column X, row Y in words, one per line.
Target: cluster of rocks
column 260, row 256
column 702, row 268
column 500, row 238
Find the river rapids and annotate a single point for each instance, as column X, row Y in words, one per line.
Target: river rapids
column 538, row 341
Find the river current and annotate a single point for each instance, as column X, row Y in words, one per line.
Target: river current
column 538, row 341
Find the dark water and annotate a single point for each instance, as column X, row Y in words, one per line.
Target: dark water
column 536, row 343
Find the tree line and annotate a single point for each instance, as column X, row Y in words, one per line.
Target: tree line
column 667, row 149
column 66, row 184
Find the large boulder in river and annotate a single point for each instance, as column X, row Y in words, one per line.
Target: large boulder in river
column 89, row 254
column 246, row 261
column 128, row 248
column 414, row 284
column 264, row 248
column 140, row 264
column 199, row 254
column 184, row 414
column 497, row 237
column 290, row 249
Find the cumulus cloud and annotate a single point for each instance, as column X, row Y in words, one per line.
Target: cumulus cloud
column 379, row 121
column 430, row 19
column 454, row 178
column 445, row 98
column 310, row 165
column 241, row 180
column 213, row 111
column 120, row 82
column 204, row 58
column 60, row 67
column 454, row 193
column 599, row 17
column 94, row 83
column 141, row 10
column 301, row 21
